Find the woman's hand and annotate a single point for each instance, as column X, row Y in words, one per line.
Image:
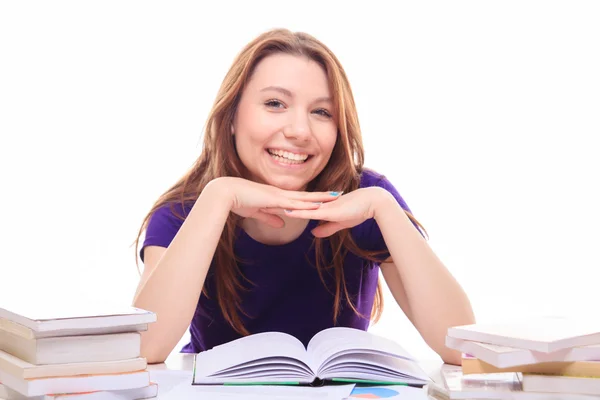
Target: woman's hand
column 347, row 211
column 249, row 199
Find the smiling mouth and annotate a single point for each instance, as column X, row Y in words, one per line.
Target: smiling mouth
column 287, row 157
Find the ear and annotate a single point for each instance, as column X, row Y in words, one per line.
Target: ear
column 232, row 130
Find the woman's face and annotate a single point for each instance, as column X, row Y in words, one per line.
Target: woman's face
column 284, row 126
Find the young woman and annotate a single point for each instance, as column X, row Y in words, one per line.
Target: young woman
column 278, row 226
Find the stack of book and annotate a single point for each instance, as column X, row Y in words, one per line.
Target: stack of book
column 545, row 358
column 74, row 355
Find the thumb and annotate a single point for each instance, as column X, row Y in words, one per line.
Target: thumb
column 327, row 229
column 269, row 219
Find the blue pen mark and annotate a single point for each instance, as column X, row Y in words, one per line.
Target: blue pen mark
column 373, row 393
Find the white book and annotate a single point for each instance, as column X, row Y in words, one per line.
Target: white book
column 503, row 386
column 454, row 385
column 24, row 370
column 506, row 357
column 28, row 333
column 335, row 354
column 73, row 319
column 561, row 384
column 545, row 335
column 75, row 384
column 125, row 394
column 72, row 349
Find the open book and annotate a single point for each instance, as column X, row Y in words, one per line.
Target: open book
column 334, row 354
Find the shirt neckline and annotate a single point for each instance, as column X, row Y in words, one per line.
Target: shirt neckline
column 243, row 235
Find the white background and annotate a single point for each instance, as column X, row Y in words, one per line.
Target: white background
column 483, row 114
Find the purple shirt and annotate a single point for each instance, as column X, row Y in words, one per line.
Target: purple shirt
column 288, row 295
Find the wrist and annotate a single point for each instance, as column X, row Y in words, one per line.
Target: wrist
column 219, row 193
column 383, row 201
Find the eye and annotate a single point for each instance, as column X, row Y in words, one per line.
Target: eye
column 323, row 112
column 274, row 103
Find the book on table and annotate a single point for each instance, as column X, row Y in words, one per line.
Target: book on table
column 507, row 357
column 32, row 322
column 472, row 365
column 72, row 349
column 564, row 385
column 544, row 335
column 454, row 385
column 553, row 358
column 24, row 370
column 76, row 383
column 333, row 355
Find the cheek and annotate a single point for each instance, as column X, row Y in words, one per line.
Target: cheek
column 244, row 146
column 328, row 142
column 254, row 129
column 249, row 145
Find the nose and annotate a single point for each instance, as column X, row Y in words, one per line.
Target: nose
column 298, row 128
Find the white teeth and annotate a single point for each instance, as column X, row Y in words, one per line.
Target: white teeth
column 288, row 156
column 286, row 160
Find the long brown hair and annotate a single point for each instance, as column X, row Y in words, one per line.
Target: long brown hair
column 218, row 158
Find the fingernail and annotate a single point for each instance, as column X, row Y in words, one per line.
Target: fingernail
column 288, row 211
column 317, row 202
column 335, row 193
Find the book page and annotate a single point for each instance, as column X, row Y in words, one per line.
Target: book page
column 329, row 342
column 372, row 366
column 246, row 351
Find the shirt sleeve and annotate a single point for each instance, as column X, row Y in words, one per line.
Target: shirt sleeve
column 163, row 226
column 371, row 236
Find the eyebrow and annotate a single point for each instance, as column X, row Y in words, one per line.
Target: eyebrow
column 287, row 93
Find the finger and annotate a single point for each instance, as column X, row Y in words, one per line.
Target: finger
column 290, row 204
column 273, row 210
column 305, row 214
column 269, row 219
column 325, row 211
column 327, row 229
column 319, row 197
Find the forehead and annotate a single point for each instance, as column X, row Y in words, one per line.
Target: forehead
column 298, row 74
